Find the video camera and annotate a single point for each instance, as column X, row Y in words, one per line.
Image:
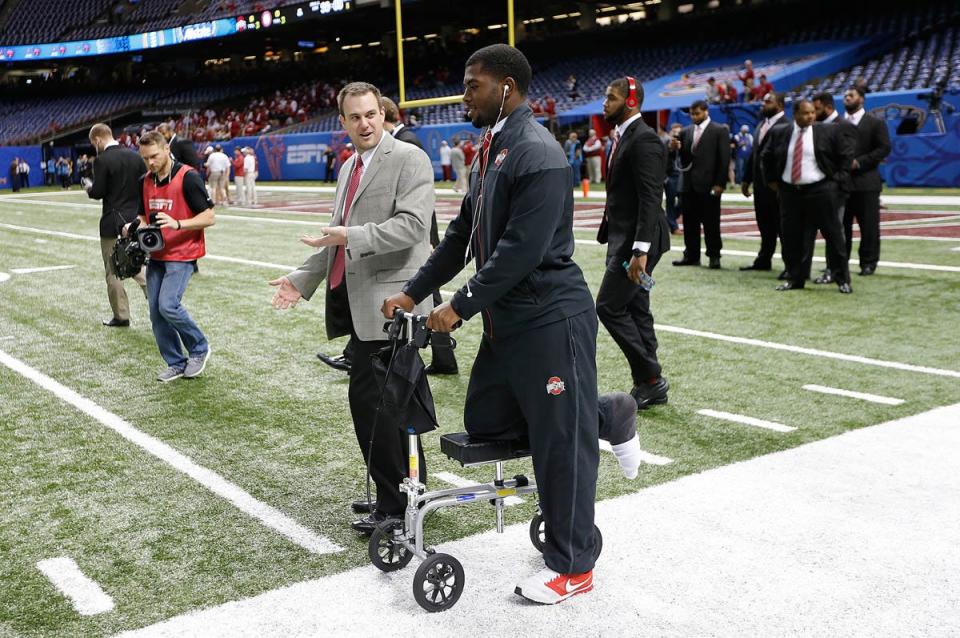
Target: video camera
column 130, row 252
column 935, row 97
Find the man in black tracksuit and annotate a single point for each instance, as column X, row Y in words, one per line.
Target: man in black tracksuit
column 535, row 373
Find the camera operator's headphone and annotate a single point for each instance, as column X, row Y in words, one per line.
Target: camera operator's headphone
column 632, row 101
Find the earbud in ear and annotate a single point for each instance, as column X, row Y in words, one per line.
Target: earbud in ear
column 506, row 89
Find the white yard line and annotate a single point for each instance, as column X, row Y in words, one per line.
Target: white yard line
column 645, row 457
column 85, row 594
column 4, row 277
column 907, row 367
column 459, row 481
column 212, row 481
column 865, row 396
column 27, row 271
column 747, row 420
column 8, row 338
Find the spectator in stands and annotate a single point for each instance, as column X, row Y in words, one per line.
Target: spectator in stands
column 574, row 154
column 762, row 88
column 173, row 195
column 592, row 150
column 705, row 155
column 727, row 92
column 458, row 160
column 183, row 150
column 238, row 181
column 571, row 84
column 218, row 168
column 744, row 145
column 712, row 91
column 746, row 76
column 446, row 165
column 863, row 202
column 550, row 107
column 250, row 174
column 116, row 181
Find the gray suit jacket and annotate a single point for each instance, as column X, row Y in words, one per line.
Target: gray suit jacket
column 387, row 234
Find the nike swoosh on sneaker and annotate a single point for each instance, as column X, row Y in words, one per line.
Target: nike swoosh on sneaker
column 571, row 586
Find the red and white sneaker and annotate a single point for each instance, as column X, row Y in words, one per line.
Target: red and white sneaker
column 549, row 587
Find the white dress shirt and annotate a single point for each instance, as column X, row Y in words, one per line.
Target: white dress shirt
column 830, row 118
column 855, row 118
column 767, row 125
column 810, row 173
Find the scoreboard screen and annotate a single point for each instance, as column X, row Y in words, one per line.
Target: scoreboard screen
column 219, row 28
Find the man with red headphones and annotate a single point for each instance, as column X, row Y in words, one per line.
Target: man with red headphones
column 637, row 234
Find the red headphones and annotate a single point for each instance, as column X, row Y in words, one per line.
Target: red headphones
column 632, row 101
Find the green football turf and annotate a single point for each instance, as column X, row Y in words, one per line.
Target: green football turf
column 268, row 416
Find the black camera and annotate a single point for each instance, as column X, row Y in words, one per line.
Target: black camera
column 150, row 237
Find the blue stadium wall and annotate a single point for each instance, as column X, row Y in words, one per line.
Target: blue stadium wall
column 30, row 154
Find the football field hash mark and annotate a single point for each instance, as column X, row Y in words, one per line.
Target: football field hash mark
column 29, row 271
column 84, row 594
column 267, row 515
column 645, row 457
column 863, row 396
column 747, row 420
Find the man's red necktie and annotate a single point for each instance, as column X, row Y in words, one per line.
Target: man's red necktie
column 336, row 271
column 795, row 171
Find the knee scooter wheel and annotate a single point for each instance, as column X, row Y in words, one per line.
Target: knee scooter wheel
column 438, row 582
column 385, row 554
column 538, row 536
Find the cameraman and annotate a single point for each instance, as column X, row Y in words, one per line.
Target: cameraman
column 116, row 180
column 177, row 202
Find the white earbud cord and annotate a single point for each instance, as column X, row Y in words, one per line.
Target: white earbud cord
column 478, row 206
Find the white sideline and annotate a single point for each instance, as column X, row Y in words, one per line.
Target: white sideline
column 854, row 535
column 810, row 351
column 865, row 396
column 4, row 277
column 85, row 595
column 747, row 420
column 223, row 488
column 459, row 481
column 645, row 457
column 27, row 271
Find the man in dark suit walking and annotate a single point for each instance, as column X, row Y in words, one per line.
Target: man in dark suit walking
column 805, row 164
column 766, row 202
column 116, row 181
column 182, row 149
column 863, row 203
column 705, row 157
column 637, row 234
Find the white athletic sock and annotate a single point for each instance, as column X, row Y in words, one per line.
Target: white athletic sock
column 628, row 455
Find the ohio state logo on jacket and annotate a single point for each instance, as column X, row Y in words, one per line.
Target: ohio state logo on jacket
column 555, row 386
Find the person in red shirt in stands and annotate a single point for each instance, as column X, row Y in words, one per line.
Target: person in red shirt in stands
column 762, row 88
column 175, row 199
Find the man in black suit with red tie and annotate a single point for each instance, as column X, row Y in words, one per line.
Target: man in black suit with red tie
column 766, row 203
column 705, row 157
column 805, row 163
column 863, row 202
column 637, row 234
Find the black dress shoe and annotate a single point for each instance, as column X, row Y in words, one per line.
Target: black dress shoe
column 363, row 507
column 685, row 262
column 435, row 369
column 825, row 278
column 789, row 285
column 116, row 323
column 338, row 362
column 845, row 288
column 714, row 263
column 783, row 276
column 866, row 271
column 647, row 394
column 367, row 524
column 754, row 267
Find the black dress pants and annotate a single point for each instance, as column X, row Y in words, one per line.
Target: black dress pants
column 624, row 310
column 864, row 207
column 542, row 384
column 701, row 209
column 387, row 457
column 806, row 209
column 766, row 204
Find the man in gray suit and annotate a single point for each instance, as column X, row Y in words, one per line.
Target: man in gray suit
column 378, row 239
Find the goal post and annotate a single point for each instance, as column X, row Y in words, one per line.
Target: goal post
column 448, row 99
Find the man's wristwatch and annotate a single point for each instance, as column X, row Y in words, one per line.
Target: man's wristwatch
column 638, row 253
